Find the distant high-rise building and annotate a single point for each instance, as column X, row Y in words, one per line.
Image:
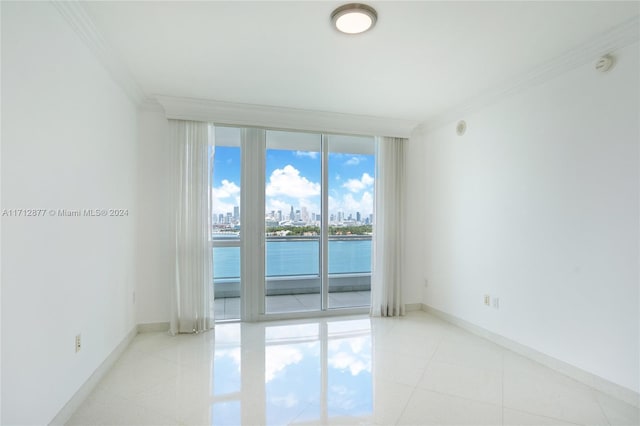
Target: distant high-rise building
column 229, row 217
column 292, row 215
column 297, row 216
column 304, row 214
column 371, row 218
column 358, row 218
column 220, row 218
column 279, row 217
column 236, row 212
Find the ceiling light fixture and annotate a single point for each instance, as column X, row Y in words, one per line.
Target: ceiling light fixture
column 354, row 18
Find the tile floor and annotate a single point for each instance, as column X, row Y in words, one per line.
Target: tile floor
column 229, row 308
column 414, row 370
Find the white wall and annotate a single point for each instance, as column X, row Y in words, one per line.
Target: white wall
column 414, row 221
column 68, row 142
column 538, row 205
column 154, row 221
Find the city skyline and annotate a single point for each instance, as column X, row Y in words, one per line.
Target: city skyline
column 292, row 181
column 297, row 217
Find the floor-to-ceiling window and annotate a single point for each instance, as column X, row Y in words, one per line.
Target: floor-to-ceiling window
column 314, row 253
column 350, row 183
column 293, row 205
column 225, row 219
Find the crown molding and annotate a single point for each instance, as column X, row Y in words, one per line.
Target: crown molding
column 152, row 105
column 608, row 42
column 78, row 18
column 283, row 118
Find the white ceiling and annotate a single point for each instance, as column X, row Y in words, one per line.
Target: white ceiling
column 421, row 59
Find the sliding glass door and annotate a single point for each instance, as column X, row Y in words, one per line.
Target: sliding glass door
column 293, row 202
column 351, row 179
column 318, row 221
column 301, row 240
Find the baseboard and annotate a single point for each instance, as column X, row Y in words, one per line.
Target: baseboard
column 81, row 394
column 589, row 379
column 153, row 327
column 410, row 307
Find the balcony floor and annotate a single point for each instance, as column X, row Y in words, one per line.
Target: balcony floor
column 229, row 308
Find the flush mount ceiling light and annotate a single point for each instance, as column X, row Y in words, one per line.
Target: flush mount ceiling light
column 354, row 18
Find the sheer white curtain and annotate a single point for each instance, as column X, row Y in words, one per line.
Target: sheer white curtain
column 386, row 277
column 192, row 303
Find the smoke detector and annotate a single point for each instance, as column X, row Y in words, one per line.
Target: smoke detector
column 605, row 63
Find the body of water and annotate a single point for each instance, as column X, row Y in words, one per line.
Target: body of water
column 290, row 257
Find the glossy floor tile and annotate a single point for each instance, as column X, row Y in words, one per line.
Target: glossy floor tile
column 415, row 370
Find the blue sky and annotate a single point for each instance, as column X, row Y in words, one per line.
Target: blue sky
column 293, row 179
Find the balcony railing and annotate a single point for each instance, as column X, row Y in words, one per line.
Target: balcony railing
column 349, row 266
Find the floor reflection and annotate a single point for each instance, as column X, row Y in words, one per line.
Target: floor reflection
column 411, row 370
column 312, row 372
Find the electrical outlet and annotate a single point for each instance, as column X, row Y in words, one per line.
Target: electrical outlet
column 496, row 303
column 487, row 300
column 78, row 343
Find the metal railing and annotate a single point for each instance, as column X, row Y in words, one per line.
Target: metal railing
column 290, row 284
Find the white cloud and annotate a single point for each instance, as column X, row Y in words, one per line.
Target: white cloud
column 353, row 161
column 288, row 401
column 234, row 354
column 277, row 358
column 220, row 207
column 226, row 190
column 345, row 360
column 353, row 354
column 349, row 204
column 343, row 398
column 287, row 188
column 357, row 185
column 353, row 185
column 225, row 197
column 364, row 205
column 273, row 204
column 287, row 181
column 311, row 154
